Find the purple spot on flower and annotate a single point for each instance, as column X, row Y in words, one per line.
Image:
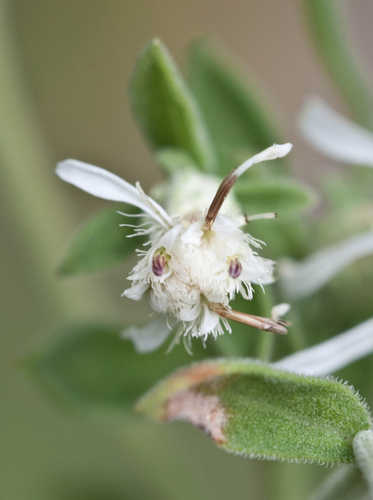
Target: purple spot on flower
column 160, row 261
column 235, row 268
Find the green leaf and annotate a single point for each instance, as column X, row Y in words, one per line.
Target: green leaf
column 254, row 410
column 173, row 159
column 164, row 107
column 92, row 366
column 329, row 31
column 100, row 243
column 238, row 124
column 285, row 197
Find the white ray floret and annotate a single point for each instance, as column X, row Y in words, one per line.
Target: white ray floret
column 335, row 135
column 271, row 153
column 332, row 355
column 103, row 184
column 193, row 263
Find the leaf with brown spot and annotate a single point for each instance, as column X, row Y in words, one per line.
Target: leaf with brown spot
column 250, row 408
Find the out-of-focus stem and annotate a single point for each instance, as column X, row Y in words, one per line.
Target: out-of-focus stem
column 328, row 31
column 264, row 347
column 336, row 484
column 27, row 182
column 363, row 450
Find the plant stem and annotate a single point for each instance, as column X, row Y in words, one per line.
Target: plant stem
column 363, row 450
column 266, row 340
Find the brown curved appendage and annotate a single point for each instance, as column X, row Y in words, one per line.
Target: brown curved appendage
column 218, row 200
column 265, row 324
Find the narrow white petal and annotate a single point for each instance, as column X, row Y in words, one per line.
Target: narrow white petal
column 334, row 135
column 209, row 322
column 103, row 184
column 272, row 153
column 332, row 355
column 266, row 215
column 304, row 278
column 149, row 337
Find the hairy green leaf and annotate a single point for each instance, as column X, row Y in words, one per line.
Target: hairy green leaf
column 285, row 197
column 251, row 409
column 164, row 107
column 100, row 243
column 92, row 366
column 237, row 122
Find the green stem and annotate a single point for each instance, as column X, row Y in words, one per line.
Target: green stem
column 296, row 336
column 343, row 482
column 328, row 30
column 266, row 340
column 363, row 451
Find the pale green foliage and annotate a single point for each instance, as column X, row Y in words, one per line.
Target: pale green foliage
column 164, row 107
column 91, row 366
column 101, row 242
column 172, row 159
column 280, row 195
column 238, row 123
column 329, row 33
column 269, row 413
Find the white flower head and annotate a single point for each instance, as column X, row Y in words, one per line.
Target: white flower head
column 194, row 263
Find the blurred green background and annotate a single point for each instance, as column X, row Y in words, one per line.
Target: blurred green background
column 64, row 70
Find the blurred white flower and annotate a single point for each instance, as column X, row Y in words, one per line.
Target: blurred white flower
column 342, row 140
column 332, row 354
column 194, row 262
column 335, row 135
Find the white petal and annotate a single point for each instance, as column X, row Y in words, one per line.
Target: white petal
column 333, row 354
column 304, row 278
column 271, row 153
column 279, row 310
column 260, row 271
column 209, row 322
column 149, row 337
column 135, row 292
column 334, row 135
column 104, row 184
